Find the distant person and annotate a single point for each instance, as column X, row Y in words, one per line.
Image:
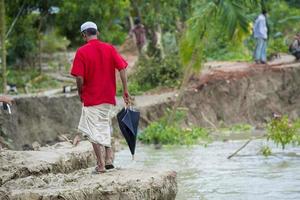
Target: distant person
column 94, row 67
column 260, row 31
column 139, row 32
column 295, row 47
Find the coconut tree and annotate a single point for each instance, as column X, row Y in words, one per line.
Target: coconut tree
column 233, row 18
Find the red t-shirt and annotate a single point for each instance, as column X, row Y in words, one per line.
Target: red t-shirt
column 96, row 62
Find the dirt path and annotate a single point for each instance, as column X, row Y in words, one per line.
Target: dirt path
column 211, row 71
column 234, row 70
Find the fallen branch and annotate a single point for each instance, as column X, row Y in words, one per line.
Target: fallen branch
column 242, row 147
column 208, row 121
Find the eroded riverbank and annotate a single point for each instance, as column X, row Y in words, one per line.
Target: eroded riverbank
column 65, row 172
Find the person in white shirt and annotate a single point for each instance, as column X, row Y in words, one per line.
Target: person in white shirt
column 260, row 32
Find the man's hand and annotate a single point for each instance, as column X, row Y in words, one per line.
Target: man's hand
column 6, row 99
column 126, row 98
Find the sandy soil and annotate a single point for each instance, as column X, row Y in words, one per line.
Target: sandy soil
column 61, row 172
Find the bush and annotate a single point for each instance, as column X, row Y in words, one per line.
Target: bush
column 277, row 45
column 22, row 43
column 31, row 79
column 161, row 133
column 152, row 72
column 133, row 87
column 282, row 132
column 54, row 42
column 266, row 151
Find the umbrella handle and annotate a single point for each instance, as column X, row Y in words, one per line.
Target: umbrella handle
column 132, row 157
column 128, row 106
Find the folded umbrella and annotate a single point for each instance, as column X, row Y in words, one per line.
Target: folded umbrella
column 128, row 120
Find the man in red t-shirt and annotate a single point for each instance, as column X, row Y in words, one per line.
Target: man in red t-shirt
column 94, row 67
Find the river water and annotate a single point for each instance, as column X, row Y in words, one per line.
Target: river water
column 206, row 173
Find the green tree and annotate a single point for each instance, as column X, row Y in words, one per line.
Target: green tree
column 110, row 17
column 30, row 20
column 160, row 16
column 232, row 18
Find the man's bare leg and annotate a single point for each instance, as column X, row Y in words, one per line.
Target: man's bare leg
column 109, row 157
column 100, row 154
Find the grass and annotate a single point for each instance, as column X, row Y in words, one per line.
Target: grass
column 237, row 128
column 32, row 80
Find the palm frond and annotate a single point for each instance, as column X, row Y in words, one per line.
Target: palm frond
column 230, row 14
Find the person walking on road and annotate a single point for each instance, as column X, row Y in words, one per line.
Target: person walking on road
column 139, row 33
column 260, row 31
column 94, row 67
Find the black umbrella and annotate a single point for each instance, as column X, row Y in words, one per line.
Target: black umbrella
column 128, row 120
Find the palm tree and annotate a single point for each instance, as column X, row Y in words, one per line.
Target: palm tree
column 231, row 15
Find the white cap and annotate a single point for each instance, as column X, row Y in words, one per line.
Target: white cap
column 87, row 25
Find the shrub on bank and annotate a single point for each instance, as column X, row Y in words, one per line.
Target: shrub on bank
column 160, row 132
column 154, row 71
column 283, row 132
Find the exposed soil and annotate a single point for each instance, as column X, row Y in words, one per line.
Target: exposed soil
column 246, row 94
column 61, row 172
column 45, row 118
column 225, row 93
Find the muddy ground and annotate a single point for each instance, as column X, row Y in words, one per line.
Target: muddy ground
column 224, row 94
column 45, row 118
column 244, row 95
column 221, row 95
column 63, row 171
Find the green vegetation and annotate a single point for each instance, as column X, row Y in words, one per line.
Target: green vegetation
column 134, row 88
column 161, row 133
column 240, row 128
column 53, row 42
column 282, row 132
column 31, row 80
column 196, row 30
column 154, row 72
column 266, row 151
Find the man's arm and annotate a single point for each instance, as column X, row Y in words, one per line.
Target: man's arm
column 79, row 81
column 125, row 88
column 6, row 99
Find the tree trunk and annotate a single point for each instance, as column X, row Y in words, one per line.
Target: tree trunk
column 159, row 44
column 186, row 77
column 3, row 48
column 40, row 45
column 134, row 5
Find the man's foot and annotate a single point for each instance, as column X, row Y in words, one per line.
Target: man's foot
column 76, row 140
column 99, row 171
column 257, row 62
column 108, row 167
